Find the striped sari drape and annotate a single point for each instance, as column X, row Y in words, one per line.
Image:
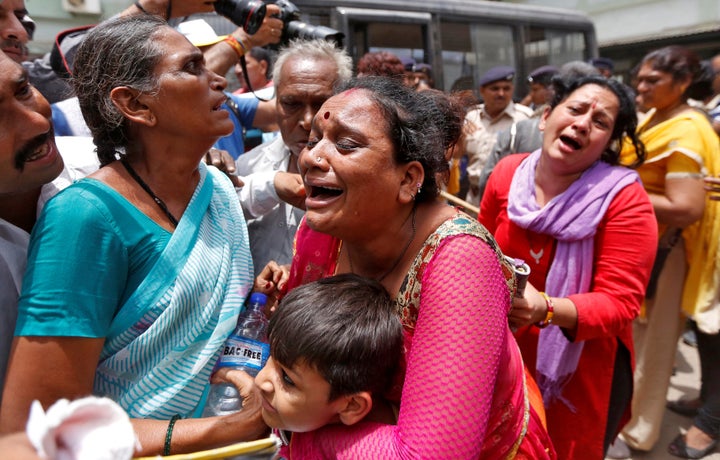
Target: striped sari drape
column 164, row 341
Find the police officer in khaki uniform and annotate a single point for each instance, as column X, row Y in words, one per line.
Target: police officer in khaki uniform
column 495, row 114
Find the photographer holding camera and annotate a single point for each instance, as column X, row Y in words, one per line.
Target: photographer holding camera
column 254, row 16
column 221, row 54
column 259, row 24
column 268, row 30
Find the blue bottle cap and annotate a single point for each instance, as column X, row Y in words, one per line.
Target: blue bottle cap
column 258, row 297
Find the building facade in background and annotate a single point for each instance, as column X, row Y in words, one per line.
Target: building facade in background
column 629, row 29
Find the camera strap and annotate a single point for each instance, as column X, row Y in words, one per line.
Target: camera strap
column 243, row 66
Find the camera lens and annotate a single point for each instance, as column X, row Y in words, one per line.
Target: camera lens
column 248, row 14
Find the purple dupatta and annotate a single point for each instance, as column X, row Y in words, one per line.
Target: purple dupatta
column 572, row 219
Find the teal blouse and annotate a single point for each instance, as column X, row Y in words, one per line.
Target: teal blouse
column 78, row 276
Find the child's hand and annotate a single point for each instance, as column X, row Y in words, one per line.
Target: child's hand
column 272, row 281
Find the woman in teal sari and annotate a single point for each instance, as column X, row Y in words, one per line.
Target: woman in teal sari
column 136, row 274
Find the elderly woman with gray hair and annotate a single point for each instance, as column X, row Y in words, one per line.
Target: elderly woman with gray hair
column 136, row 274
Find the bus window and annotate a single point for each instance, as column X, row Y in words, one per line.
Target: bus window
column 405, row 34
column 469, row 50
column 552, row 46
column 403, row 40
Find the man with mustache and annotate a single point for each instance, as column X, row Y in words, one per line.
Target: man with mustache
column 31, row 171
column 16, row 29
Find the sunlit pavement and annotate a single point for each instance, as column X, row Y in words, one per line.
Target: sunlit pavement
column 684, row 384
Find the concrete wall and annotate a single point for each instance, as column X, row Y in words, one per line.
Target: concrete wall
column 636, row 20
column 628, row 29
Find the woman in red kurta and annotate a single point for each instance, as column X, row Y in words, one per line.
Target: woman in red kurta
column 587, row 230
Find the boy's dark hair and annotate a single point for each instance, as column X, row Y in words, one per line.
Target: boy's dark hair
column 346, row 327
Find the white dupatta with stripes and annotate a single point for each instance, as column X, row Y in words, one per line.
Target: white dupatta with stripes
column 163, row 343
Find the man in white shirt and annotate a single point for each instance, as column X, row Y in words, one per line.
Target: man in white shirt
column 273, row 195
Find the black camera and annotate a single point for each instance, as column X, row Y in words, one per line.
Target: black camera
column 293, row 27
column 248, row 14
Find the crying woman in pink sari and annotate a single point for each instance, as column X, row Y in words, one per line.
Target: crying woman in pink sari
column 370, row 170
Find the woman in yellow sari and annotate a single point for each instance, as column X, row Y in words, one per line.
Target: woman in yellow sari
column 681, row 149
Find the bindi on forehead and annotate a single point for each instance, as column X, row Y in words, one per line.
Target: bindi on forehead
column 326, row 115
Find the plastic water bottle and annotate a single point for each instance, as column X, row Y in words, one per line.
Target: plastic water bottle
column 246, row 349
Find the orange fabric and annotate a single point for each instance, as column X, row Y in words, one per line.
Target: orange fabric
column 536, row 401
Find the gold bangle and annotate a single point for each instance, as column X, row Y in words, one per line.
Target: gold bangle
column 237, row 45
column 550, row 312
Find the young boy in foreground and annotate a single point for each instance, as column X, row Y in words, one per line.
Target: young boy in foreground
column 334, row 345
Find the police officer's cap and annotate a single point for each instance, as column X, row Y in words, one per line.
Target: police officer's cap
column 543, row 75
column 408, row 63
column 603, row 63
column 504, row 73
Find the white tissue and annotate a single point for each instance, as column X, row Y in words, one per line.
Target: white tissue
column 90, row 428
